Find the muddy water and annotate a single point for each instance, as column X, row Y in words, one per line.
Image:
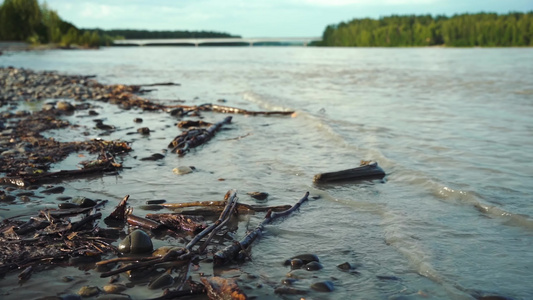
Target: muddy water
column 451, row 127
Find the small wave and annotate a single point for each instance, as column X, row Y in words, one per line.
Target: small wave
column 462, row 197
column 263, row 101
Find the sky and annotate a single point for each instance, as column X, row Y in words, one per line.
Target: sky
column 259, row 18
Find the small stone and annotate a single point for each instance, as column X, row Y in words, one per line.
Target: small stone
column 54, row 190
column 88, row 291
column 158, row 201
column 182, row 170
column 153, row 157
column 64, row 106
column 67, row 278
column 138, row 120
column 296, row 263
column 323, row 286
column 258, row 195
column 114, row 288
column 307, row 258
column 313, row 266
column 288, row 281
column 347, row 266
column 67, row 205
column 282, row 290
column 84, row 202
column 93, row 113
column 144, row 130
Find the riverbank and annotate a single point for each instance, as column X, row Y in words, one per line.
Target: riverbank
column 27, row 177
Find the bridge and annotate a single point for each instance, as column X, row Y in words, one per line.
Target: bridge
column 292, row 41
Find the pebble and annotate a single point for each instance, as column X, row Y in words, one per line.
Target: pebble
column 282, row 290
column 157, row 201
column 323, row 286
column 88, row 291
column 155, row 156
column 54, row 190
column 258, row 195
column 307, row 258
column 313, row 266
column 296, row 263
column 84, row 202
column 144, row 130
column 182, row 170
column 138, row 120
column 288, row 281
column 137, row 242
column 114, row 288
column 64, row 106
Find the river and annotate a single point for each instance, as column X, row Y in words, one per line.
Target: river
column 452, row 128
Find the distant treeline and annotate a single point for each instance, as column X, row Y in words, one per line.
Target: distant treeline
column 166, row 34
column 26, row 20
column 466, row 30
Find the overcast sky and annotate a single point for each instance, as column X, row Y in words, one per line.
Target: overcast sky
column 258, row 18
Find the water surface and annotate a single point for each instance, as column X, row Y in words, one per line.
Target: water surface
column 451, row 127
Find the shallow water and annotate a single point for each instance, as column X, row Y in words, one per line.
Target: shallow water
column 451, row 127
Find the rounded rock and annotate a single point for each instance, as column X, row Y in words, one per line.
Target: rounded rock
column 323, row 286
column 307, row 258
column 313, row 266
column 114, row 288
column 88, row 291
column 137, row 242
column 296, row 263
column 64, row 106
column 182, row 170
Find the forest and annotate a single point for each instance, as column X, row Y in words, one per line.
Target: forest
column 464, row 30
column 29, row 21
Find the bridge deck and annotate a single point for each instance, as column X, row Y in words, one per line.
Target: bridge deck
column 304, row 41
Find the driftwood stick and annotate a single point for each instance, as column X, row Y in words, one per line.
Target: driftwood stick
column 212, row 234
column 242, row 208
column 170, row 256
column 230, row 197
column 363, row 172
column 229, row 253
column 199, row 139
column 143, row 222
column 82, row 222
column 234, row 110
column 159, row 84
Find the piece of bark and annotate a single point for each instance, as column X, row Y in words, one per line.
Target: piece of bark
column 219, row 288
column 143, row 222
column 231, row 252
column 179, row 222
column 119, row 214
column 369, row 171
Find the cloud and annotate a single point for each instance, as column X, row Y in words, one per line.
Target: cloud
column 98, row 11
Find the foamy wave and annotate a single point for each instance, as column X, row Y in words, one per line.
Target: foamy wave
column 262, row 101
column 462, row 197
